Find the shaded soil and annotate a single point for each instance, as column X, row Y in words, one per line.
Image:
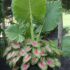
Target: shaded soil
column 65, row 63
column 3, row 65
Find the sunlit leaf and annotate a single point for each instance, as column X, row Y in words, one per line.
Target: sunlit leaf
column 24, row 9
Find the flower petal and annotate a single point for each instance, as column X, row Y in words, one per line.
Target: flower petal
column 26, row 58
column 15, row 45
column 25, row 66
column 50, row 62
column 34, row 44
column 36, row 52
column 22, row 52
column 43, row 52
column 28, row 48
column 42, row 65
column 34, row 60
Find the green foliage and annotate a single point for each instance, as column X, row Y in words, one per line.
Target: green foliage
column 53, row 15
column 30, row 15
column 23, row 9
column 31, row 10
column 1, row 30
column 15, row 33
column 65, row 45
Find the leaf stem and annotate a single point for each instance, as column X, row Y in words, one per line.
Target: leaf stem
column 40, row 30
column 31, row 19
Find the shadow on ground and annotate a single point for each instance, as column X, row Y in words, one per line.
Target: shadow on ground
column 4, row 65
column 65, row 63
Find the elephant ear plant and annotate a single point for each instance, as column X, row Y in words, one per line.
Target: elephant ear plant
column 25, row 46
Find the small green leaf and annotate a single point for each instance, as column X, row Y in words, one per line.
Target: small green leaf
column 20, row 38
column 57, row 62
column 14, row 32
column 56, row 51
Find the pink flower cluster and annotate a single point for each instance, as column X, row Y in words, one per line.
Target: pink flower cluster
column 34, row 52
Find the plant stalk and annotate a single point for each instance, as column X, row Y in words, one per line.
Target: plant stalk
column 31, row 22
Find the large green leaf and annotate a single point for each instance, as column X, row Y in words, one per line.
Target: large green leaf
column 14, row 33
column 53, row 15
column 23, row 9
